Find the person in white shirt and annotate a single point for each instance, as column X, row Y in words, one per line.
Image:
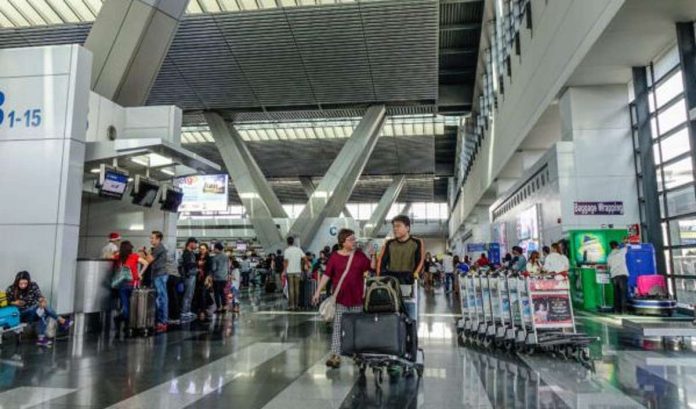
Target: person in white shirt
column 619, row 275
column 448, row 268
column 109, row 251
column 556, row 262
column 293, row 259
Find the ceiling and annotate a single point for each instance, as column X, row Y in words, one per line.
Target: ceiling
column 275, row 62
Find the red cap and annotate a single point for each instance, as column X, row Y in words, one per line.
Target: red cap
column 114, row 236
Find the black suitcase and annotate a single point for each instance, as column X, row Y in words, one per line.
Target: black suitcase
column 307, row 289
column 384, row 334
column 270, row 286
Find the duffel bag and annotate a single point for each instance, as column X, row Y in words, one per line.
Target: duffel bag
column 382, row 295
column 384, row 334
column 9, row 317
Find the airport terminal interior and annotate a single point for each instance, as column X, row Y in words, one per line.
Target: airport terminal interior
column 299, row 204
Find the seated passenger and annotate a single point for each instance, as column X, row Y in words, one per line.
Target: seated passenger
column 26, row 295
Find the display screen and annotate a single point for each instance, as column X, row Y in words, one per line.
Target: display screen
column 145, row 192
column 172, row 200
column 241, row 246
column 590, row 247
column 528, row 230
column 203, row 193
column 114, row 185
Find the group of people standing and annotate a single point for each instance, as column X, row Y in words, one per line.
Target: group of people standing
column 197, row 286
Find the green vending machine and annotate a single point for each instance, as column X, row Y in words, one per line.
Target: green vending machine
column 588, row 254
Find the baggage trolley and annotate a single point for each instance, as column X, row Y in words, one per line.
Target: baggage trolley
column 17, row 330
column 381, row 362
column 467, row 300
column 551, row 322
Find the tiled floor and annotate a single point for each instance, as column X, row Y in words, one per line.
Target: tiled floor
column 268, row 358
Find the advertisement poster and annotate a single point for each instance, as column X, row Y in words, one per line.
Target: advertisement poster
column 548, row 285
column 204, row 193
column 590, row 247
column 552, row 310
column 528, row 230
column 494, row 253
column 500, row 236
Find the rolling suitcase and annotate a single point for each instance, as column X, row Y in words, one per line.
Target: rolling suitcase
column 271, row 285
column 307, row 289
column 141, row 317
column 385, row 334
column 9, row 317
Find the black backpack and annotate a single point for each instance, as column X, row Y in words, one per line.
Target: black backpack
column 279, row 261
column 383, row 294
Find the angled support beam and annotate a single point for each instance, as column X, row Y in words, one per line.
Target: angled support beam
column 457, row 51
column 337, row 185
column 253, row 196
column 460, row 27
column 129, row 40
column 309, row 188
column 374, row 225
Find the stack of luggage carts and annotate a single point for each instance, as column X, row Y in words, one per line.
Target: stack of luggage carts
column 385, row 335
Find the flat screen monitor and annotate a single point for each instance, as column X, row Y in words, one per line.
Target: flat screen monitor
column 144, row 191
column 203, row 193
column 112, row 182
column 171, row 199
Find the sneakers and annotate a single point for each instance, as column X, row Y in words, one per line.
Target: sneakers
column 44, row 342
column 67, row 324
column 334, row 362
column 160, row 328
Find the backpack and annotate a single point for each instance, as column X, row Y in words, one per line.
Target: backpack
column 383, row 294
column 279, row 261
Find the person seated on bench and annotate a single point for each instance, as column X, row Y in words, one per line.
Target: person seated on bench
column 26, row 295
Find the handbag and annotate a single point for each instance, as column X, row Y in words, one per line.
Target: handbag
column 327, row 309
column 123, row 274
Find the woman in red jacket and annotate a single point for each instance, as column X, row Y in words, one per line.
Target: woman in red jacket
column 350, row 296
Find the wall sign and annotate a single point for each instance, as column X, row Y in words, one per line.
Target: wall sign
column 598, row 208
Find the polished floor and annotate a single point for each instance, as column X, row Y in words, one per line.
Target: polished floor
column 268, row 358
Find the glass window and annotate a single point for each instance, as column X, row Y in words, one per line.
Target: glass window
column 685, row 264
column 669, row 89
column 672, row 116
column 683, row 232
column 419, row 211
column 676, row 174
column 681, row 201
column 675, row 145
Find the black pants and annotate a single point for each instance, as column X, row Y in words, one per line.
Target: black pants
column 174, row 297
column 220, row 299
column 620, row 292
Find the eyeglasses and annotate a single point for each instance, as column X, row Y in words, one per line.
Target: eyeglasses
column 350, row 238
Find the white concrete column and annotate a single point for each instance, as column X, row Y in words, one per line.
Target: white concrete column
column 600, row 165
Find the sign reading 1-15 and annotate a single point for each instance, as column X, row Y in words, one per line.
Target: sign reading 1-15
column 30, row 118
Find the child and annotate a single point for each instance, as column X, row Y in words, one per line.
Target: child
column 235, row 282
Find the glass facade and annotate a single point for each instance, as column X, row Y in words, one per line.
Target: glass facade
column 674, row 158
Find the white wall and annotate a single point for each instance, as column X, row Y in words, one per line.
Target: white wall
column 42, row 166
column 563, row 32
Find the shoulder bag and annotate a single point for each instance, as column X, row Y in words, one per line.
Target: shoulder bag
column 327, row 309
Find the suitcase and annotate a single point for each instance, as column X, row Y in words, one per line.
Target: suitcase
column 652, row 286
column 382, row 295
column 384, row 334
column 9, row 317
column 307, row 289
column 141, row 317
column 270, row 286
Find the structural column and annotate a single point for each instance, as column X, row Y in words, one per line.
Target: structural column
column 129, row 41
column 650, row 202
column 337, row 185
column 252, row 188
column 374, row 225
column 309, row 188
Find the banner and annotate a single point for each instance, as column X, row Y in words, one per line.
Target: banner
column 598, row 208
column 552, row 310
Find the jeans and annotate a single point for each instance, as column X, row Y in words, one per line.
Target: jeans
column 161, row 300
column 620, row 292
column 449, row 280
column 124, row 294
column 220, row 299
column 30, row 315
column 189, row 287
column 245, row 278
column 293, row 290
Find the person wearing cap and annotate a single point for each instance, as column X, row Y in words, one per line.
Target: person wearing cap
column 111, row 249
column 189, row 269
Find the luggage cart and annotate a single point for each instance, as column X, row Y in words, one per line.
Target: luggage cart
column 467, row 300
column 381, row 362
column 550, row 326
